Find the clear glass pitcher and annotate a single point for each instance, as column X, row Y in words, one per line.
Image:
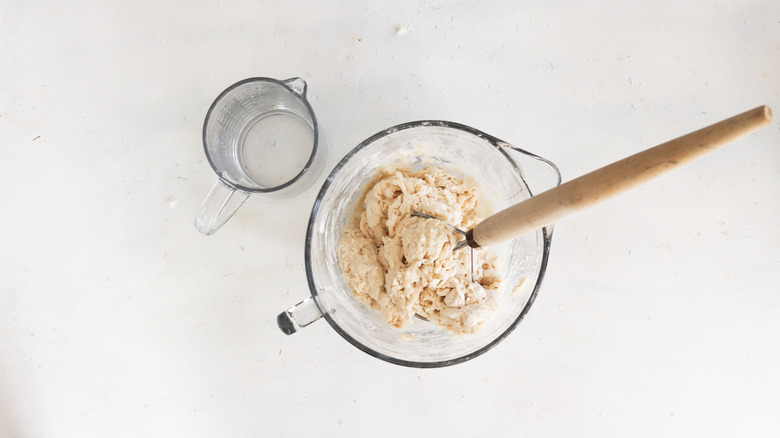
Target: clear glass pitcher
column 260, row 136
column 506, row 174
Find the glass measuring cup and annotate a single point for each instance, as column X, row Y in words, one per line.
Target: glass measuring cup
column 260, row 136
column 506, row 175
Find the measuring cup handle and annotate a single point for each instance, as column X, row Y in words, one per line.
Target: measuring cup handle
column 298, row 316
column 222, row 201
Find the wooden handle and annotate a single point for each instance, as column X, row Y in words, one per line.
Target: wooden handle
column 610, row 180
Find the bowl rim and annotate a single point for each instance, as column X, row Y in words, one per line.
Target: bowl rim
column 546, row 233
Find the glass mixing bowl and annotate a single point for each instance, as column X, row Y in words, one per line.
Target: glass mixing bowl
column 505, row 174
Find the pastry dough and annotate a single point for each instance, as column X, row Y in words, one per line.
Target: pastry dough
column 402, row 265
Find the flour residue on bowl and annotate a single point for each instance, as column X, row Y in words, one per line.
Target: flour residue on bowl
column 402, row 265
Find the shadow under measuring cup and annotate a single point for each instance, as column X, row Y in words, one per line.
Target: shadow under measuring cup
column 260, row 136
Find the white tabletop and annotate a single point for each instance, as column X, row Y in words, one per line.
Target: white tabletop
column 659, row 312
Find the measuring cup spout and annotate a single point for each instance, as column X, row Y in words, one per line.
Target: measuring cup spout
column 538, row 172
column 298, row 85
column 298, row 316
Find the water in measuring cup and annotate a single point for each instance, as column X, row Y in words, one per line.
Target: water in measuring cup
column 276, row 148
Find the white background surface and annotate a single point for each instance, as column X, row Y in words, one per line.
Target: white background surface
column 659, row 312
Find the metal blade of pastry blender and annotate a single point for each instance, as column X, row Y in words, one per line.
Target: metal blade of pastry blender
column 608, row 181
column 457, row 230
